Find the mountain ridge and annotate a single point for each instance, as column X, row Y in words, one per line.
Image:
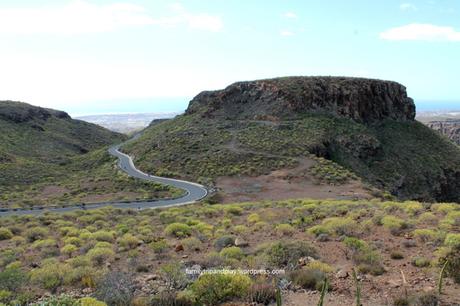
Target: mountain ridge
column 385, row 147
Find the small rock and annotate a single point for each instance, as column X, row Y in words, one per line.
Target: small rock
column 427, row 289
column 87, row 290
column 179, row 248
column 409, row 243
column 185, row 256
column 305, row 260
column 151, row 277
column 239, row 242
column 394, row 284
column 341, row 274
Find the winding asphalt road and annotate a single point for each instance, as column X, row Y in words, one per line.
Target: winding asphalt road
column 193, row 192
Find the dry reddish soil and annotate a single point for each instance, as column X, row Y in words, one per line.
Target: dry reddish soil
column 287, row 184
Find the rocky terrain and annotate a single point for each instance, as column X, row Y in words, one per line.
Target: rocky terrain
column 250, row 129
column 363, row 100
column 448, row 128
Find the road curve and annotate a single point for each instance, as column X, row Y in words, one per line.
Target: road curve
column 193, row 192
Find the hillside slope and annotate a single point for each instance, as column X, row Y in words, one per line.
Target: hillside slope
column 49, row 158
column 365, row 127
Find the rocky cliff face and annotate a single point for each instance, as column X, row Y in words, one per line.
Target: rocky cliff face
column 449, row 128
column 363, row 100
column 18, row 112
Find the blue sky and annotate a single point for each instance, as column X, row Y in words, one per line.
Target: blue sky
column 147, row 56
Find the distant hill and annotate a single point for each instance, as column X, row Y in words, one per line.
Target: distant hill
column 48, row 158
column 363, row 126
column 449, row 128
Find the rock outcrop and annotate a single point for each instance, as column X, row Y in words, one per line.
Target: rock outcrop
column 449, row 128
column 363, row 100
column 18, row 112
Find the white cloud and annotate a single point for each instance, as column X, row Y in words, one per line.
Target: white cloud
column 407, row 7
column 290, row 15
column 421, row 32
column 287, row 33
column 80, row 17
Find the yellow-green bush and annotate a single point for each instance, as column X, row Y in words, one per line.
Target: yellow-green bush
column 5, row 233
column 452, row 240
column 179, row 230
column 100, row 255
column 128, row 241
column 232, row 252
column 394, row 224
column 213, row 289
column 426, row 235
column 89, row 301
column 321, row 266
column 285, row 229
column 69, row 249
column 253, row 218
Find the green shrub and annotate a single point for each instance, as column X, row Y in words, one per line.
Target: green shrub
column 396, row 255
column 224, row 241
column 240, row 229
column 321, row 266
column 234, row 210
column 232, row 252
column 412, row 207
column 69, row 249
column 426, row 235
column 104, row 236
column 341, row 226
column 115, row 289
column 367, row 259
column 287, row 253
column 174, row 276
column 50, row 276
column 179, row 230
column 262, row 293
column 62, row 300
column 213, row 289
column 12, row 279
column 285, row 229
column 253, row 218
column 452, row 240
column 420, row 262
column 89, row 301
column 73, row 240
column 5, row 296
column 129, row 241
column 308, row 278
column 452, row 256
column 394, row 224
column 36, row 233
column 159, row 246
column 191, row 244
column 167, row 298
column 100, row 255
column 5, row 233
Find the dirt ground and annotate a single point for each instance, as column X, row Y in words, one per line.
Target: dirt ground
column 287, row 184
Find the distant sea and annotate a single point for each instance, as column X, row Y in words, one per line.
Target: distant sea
column 432, row 105
column 130, row 106
column 179, row 104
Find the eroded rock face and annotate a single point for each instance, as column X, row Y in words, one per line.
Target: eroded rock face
column 363, row 100
column 449, row 128
column 21, row 112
